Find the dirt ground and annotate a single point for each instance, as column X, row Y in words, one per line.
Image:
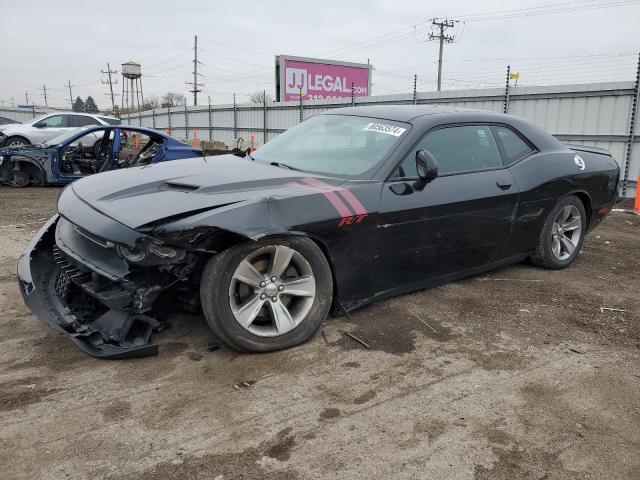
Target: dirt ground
column 514, row 374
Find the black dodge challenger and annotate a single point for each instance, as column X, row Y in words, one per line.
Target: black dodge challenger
column 346, row 208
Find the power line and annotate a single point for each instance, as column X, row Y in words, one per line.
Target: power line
column 550, row 9
column 166, row 51
column 181, row 54
column 235, row 47
column 402, row 34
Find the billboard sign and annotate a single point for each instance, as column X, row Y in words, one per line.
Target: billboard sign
column 314, row 78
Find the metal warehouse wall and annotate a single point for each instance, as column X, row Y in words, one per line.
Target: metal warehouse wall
column 589, row 114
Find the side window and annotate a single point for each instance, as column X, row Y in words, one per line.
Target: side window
column 514, row 147
column 82, row 121
column 54, row 121
column 456, row 149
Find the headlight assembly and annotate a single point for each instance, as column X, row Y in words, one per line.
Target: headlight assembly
column 134, row 255
column 151, row 252
column 162, row 251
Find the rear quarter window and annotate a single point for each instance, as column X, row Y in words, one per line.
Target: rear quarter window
column 82, row 121
column 513, row 146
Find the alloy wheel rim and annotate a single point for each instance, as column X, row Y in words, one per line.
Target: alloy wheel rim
column 272, row 290
column 566, row 232
column 15, row 143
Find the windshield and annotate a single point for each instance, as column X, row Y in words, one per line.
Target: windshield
column 334, row 144
column 63, row 137
column 38, row 118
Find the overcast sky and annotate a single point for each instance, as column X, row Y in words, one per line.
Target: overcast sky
column 49, row 42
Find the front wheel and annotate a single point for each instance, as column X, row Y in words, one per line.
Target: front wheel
column 562, row 235
column 267, row 295
column 16, row 142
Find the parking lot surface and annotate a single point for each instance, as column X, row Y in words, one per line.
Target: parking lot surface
column 516, row 373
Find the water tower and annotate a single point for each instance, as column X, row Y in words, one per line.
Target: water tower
column 131, row 85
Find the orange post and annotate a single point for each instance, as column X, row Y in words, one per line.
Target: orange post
column 636, row 205
column 196, row 143
column 138, row 142
column 252, row 142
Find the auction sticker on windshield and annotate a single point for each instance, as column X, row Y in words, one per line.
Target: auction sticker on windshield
column 384, row 128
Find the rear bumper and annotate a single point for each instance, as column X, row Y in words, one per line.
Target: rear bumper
column 113, row 333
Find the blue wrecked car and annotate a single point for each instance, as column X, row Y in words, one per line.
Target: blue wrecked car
column 88, row 150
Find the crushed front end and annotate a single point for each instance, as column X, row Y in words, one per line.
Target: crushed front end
column 101, row 287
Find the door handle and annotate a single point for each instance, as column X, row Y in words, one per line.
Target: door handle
column 504, row 183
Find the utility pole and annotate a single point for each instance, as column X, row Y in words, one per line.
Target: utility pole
column 26, row 97
column 195, row 83
column 44, row 91
column 13, row 102
column 440, row 26
column 70, row 94
column 110, row 82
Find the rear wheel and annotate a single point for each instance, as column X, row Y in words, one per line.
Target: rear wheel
column 267, row 295
column 562, row 235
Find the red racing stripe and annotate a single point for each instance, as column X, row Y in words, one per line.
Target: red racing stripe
column 353, row 201
column 340, row 207
column 346, row 194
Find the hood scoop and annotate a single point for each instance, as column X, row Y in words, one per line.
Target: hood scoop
column 180, row 187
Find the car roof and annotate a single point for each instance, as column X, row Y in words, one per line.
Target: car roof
column 147, row 130
column 84, row 114
column 400, row 113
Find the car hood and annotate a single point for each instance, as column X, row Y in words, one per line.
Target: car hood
column 14, row 128
column 8, row 125
column 143, row 195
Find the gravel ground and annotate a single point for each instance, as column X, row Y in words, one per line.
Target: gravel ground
column 514, row 374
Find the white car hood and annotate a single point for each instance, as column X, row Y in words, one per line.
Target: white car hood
column 8, row 125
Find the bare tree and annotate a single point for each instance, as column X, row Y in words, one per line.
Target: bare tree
column 173, row 99
column 259, row 97
column 150, row 103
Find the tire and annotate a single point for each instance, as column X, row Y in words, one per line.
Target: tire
column 19, row 179
column 16, row 142
column 227, row 300
column 96, row 149
column 553, row 251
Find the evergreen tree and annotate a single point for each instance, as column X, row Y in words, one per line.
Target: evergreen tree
column 90, row 105
column 78, row 105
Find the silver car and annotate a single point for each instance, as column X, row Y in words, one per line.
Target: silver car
column 51, row 125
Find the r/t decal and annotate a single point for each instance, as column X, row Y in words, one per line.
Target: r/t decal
column 352, row 220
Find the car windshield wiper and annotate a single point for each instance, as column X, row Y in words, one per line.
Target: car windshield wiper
column 284, row 165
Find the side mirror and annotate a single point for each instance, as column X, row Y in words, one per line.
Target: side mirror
column 427, row 169
column 40, row 125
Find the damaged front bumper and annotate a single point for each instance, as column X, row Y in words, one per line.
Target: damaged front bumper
column 78, row 286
